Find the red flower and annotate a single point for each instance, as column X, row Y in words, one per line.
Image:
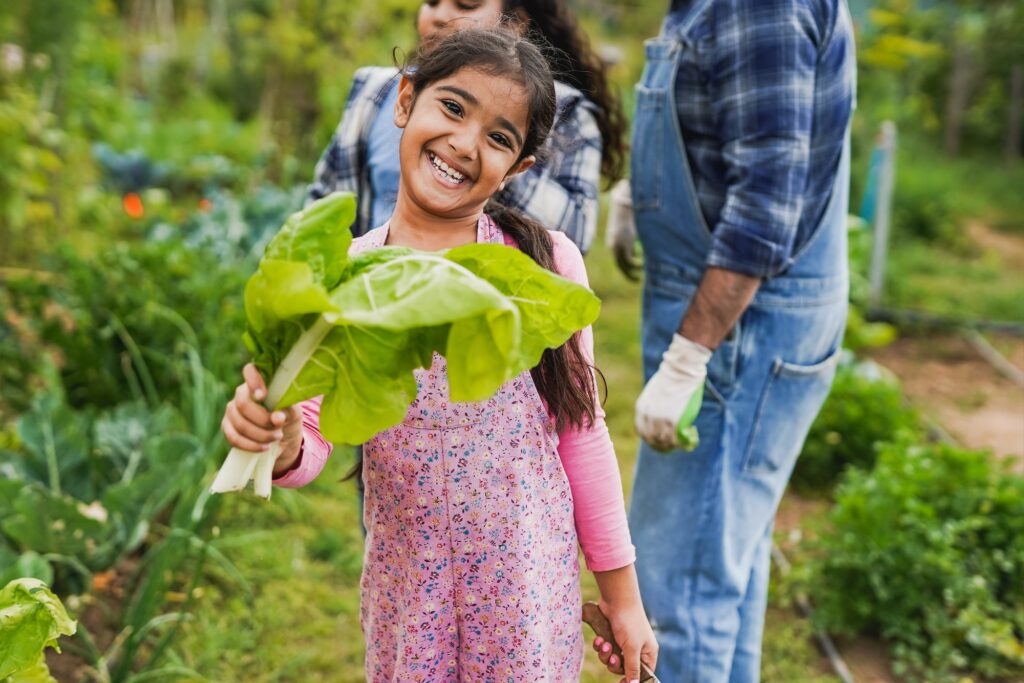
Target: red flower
column 132, row 204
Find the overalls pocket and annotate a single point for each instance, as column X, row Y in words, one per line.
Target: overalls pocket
column 788, row 405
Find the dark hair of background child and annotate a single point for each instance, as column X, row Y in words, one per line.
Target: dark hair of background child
column 576, row 63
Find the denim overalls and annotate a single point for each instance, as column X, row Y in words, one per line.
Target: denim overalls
column 702, row 521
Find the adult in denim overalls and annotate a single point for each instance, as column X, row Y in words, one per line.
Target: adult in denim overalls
column 702, row 520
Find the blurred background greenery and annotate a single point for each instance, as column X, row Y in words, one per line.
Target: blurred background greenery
column 149, row 148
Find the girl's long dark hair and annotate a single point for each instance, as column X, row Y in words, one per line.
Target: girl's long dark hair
column 564, row 377
column 578, row 65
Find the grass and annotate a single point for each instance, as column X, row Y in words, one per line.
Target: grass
column 302, row 552
column 978, row 284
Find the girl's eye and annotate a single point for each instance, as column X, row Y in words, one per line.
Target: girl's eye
column 501, row 140
column 468, row 6
column 452, row 107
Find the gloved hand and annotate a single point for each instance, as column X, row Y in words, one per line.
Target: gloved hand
column 620, row 234
column 669, row 403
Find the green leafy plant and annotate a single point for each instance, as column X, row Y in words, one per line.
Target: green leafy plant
column 354, row 330
column 927, row 551
column 864, row 409
column 114, row 325
column 31, row 620
column 85, row 490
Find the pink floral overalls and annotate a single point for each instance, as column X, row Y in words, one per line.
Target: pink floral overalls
column 471, row 564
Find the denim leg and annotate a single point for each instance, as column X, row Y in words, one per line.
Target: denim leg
column 702, row 521
column 676, row 520
column 746, row 661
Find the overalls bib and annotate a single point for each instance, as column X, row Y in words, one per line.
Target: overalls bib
column 702, row 521
column 471, row 568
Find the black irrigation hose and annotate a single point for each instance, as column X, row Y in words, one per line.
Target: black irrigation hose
column 824, row 640
column 906, row 317
column 968, row 329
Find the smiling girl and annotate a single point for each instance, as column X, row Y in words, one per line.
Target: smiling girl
column 475, row 511
column 560, row 190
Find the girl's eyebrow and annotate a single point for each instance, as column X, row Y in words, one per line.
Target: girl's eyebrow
column 471, row 99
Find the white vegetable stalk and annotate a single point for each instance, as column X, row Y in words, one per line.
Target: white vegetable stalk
column 242, row 466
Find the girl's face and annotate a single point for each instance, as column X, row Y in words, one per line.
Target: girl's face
column 446, row 15
column 462, row 140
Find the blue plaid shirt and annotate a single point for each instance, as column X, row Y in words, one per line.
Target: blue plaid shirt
column 765, row 92
column 559, row 191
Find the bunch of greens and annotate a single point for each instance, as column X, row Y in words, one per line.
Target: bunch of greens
column 927, row 551
column 354, row 329
column 31, row 620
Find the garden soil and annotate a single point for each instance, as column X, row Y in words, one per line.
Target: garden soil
column 955, row 387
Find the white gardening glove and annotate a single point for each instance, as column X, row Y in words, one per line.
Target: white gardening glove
column 620, row 234
column 670, row 402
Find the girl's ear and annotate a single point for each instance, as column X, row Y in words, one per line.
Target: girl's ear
column 403, row 105
column 520, row 167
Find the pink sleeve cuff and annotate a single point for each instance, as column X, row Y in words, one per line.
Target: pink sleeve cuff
column 314, row 452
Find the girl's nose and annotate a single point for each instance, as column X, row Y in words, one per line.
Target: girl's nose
column 461, row 144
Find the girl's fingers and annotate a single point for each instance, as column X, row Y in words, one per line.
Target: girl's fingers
column 250, row 410
column 603, row 649
column 254, row 380
column 247, row 428
column 631, row 655
column 237, row 440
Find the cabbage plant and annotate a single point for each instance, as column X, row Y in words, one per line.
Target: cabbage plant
column 354, row 329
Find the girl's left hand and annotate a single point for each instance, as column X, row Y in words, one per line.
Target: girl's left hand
column 633, row 634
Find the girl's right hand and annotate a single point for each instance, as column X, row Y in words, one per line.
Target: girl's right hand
column 248, row 425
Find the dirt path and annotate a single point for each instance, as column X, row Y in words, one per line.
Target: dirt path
column 950, row 383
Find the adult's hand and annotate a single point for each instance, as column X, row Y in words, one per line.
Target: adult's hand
column 676, row 386
column 620, row 235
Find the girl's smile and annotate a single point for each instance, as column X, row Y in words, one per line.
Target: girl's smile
column 447, row 171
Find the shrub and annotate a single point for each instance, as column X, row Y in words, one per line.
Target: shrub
column 119, row 320
column 864, row 409
column 927, row 551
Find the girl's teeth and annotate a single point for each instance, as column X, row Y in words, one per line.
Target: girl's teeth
column 448, row 170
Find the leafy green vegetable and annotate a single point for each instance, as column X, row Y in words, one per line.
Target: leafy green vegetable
column 354, row 330
column 927, row 551
column 31, row 619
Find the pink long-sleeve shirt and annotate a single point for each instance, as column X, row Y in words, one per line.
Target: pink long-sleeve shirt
column 587, row 455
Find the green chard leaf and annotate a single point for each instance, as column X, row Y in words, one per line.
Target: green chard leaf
column 354, row 330
column 31, row 619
